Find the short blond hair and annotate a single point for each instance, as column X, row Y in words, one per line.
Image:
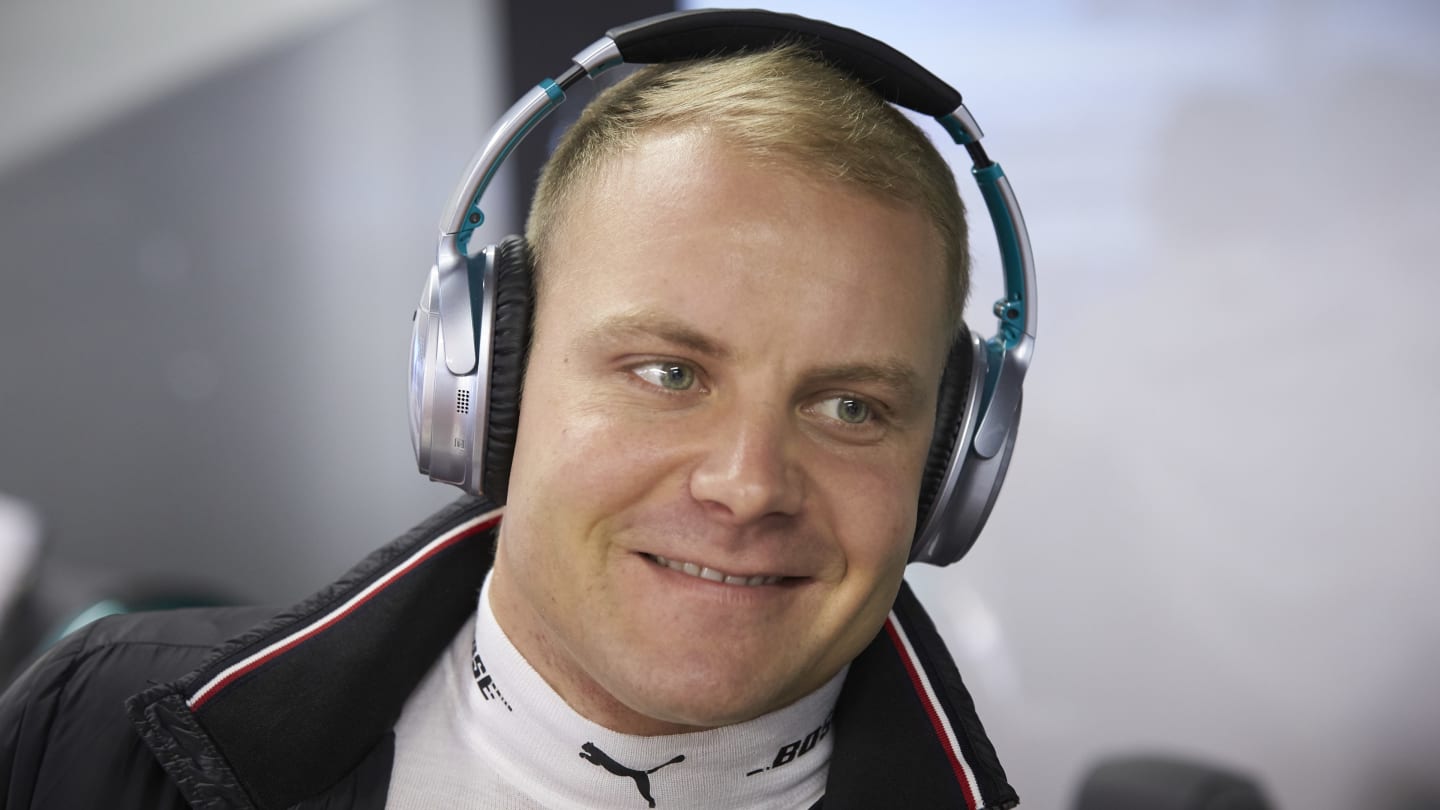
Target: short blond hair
column 783, row 106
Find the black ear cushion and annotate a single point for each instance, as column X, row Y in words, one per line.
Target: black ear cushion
column 514, row 308
column 949, row 413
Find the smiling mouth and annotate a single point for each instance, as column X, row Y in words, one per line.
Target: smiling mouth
column 714, row 575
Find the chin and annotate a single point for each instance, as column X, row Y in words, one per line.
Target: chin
column 705, row 701
column 694, row 715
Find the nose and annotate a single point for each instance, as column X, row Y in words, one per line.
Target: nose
column 747, row 472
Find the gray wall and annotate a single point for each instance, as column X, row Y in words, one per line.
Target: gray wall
column 205, row 303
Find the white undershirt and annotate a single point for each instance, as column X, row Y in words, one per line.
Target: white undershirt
column 484, row 731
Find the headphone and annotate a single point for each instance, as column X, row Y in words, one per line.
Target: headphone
column 471, row 329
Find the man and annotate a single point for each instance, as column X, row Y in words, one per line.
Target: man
column 748, row 273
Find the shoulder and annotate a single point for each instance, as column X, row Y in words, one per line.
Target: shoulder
column 126, row 653
column 187, row 627
column 69, row 706
column 99, row 665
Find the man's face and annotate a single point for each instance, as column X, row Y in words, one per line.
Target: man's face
column 733, row 374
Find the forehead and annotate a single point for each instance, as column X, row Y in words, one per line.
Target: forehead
column 684, row 222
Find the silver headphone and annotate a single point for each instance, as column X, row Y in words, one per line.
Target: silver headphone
column 472, row 326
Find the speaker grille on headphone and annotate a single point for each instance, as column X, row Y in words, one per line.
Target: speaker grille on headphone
column 462, row 401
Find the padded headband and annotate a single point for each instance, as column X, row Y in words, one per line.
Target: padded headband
column 686, row 35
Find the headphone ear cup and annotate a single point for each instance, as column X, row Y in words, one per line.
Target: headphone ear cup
column 949, row 419
column 956, row 502
column 514, row 309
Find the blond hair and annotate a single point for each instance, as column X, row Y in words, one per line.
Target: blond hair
column 783, row 106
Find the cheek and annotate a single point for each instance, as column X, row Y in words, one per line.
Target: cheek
column 580, row 453
column 875, row 501
column 879, row 517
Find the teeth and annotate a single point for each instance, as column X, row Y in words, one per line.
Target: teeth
column 711, row 574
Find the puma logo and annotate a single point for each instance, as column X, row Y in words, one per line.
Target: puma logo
column 590, row 752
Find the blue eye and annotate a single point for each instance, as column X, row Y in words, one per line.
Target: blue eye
column 846, row 409
column 671, row 376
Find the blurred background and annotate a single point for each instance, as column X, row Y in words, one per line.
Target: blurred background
column 1218, row 539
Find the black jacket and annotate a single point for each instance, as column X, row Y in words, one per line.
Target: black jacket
column 240, row 708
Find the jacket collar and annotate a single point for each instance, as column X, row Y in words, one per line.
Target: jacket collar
column 907, row 734
column 293, row 708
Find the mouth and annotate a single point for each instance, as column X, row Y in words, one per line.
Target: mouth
column 715, row 575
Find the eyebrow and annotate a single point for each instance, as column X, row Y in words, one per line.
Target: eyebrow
column 899, row 377
column 660, row 325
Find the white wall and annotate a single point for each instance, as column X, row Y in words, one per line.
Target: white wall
column 68, row 67
column 1219, row 533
